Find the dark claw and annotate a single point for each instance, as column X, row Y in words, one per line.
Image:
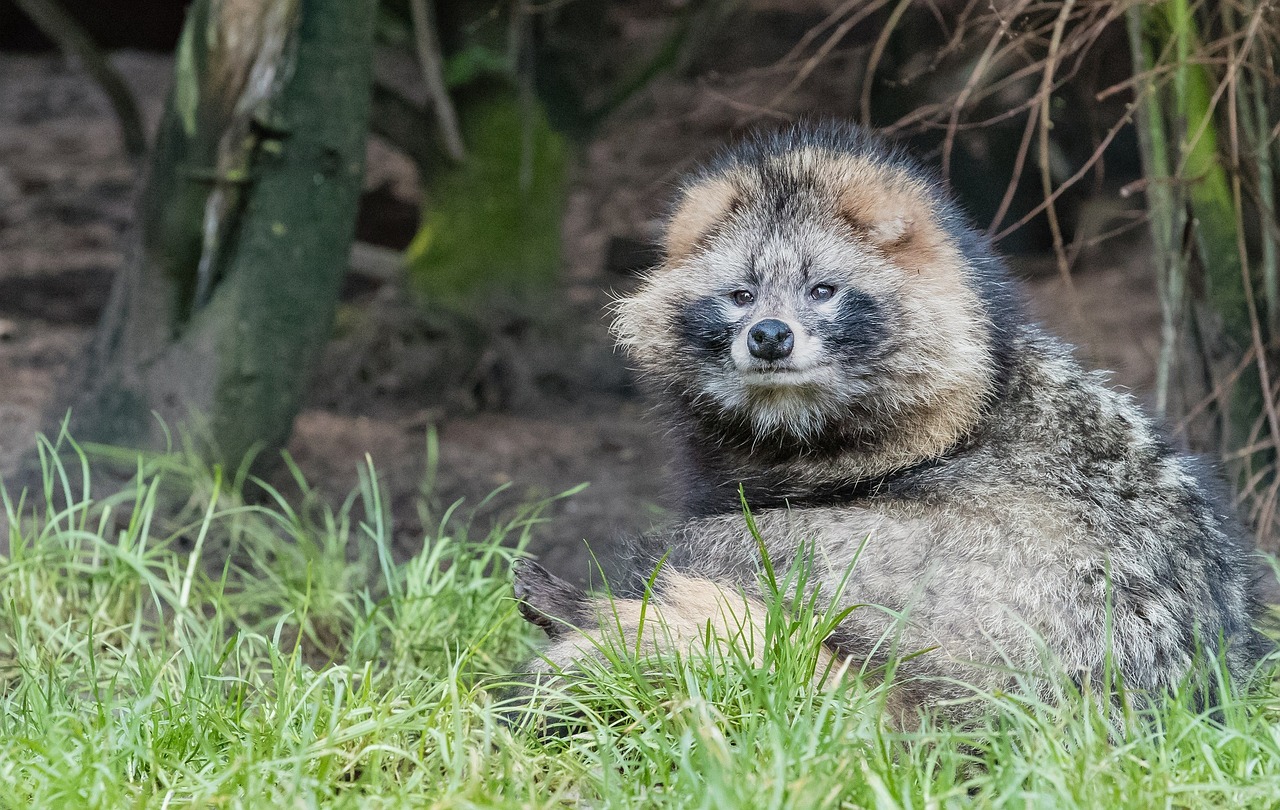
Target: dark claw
column 545, row 599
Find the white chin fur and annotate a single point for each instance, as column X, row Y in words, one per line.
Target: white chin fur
column 788, row 402
column 791, row 397
column 790, row 413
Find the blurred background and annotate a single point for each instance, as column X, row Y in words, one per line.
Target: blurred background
column 347, row 227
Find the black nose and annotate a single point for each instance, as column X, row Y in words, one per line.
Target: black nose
column 770, row 339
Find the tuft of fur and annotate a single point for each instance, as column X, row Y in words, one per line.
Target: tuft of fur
column 1007, row 504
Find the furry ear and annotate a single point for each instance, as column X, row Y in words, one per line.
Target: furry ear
column 883, row 210
column 703, row 207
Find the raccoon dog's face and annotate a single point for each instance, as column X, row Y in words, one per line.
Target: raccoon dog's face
column 809, row 289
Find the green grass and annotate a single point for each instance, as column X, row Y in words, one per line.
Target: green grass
column 220, row 653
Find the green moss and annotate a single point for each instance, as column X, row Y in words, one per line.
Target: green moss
column 494, row 222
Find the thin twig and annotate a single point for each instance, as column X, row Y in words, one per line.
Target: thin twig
column 1268, row 402
column 839, row 34
column 74, row 41
column 1064, row 186
column 877, row 52
column 975, row 76
column 1219, row 393
column 427, row 41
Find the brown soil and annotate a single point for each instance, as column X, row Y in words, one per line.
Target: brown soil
column 527, row 395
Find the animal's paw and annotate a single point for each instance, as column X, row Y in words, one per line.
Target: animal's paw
column 537, row 700
column 546, row 600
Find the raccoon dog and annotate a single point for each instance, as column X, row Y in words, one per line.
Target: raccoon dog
column 828, row 333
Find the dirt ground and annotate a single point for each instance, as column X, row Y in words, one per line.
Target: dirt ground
column 535, row 400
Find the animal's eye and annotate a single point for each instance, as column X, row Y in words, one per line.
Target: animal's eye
column 822, row 292
column 742, row 297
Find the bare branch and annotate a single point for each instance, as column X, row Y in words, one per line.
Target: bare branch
column 431, row 59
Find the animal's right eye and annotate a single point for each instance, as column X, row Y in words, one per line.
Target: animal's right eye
column 822, row 292
column 742, row 297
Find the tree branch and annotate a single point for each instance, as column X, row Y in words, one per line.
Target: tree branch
column 74, row 41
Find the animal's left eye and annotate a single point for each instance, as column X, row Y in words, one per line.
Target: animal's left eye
column 822, row 292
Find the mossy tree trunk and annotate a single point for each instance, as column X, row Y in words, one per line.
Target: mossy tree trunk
column 245, row 223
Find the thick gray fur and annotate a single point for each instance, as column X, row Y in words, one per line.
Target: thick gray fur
column 1055, row 529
